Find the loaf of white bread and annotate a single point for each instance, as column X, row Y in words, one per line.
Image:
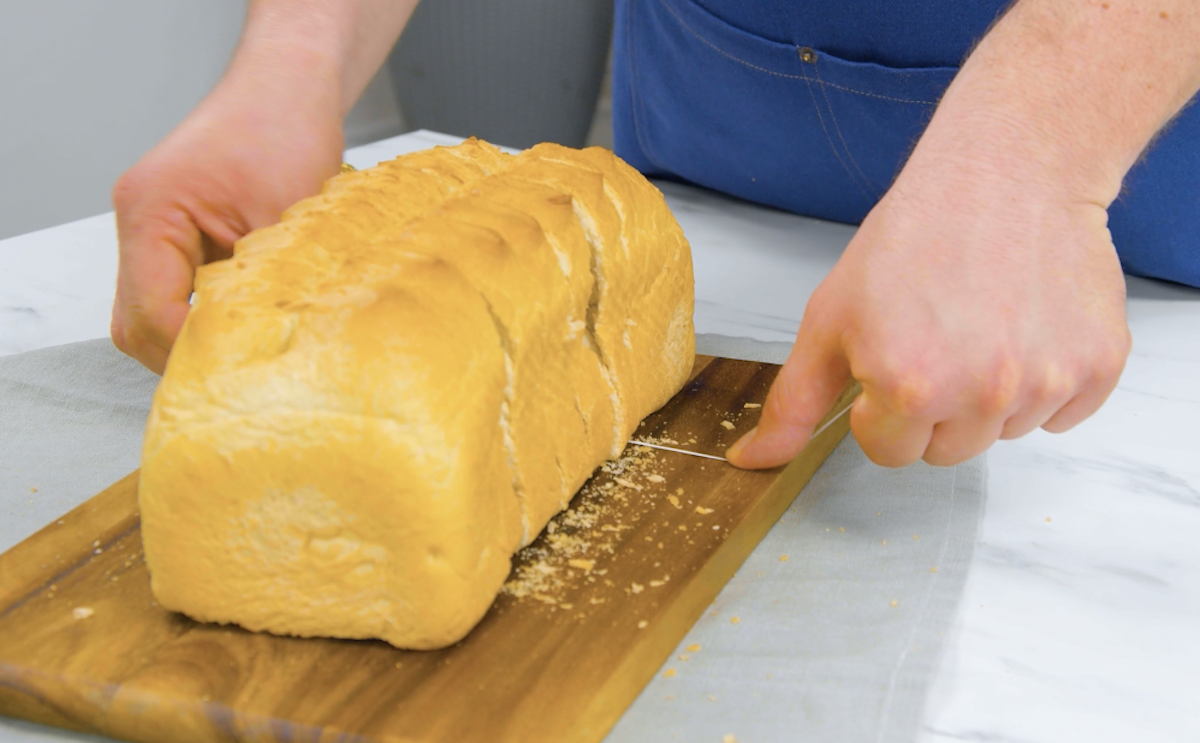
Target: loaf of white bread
column 374, row 403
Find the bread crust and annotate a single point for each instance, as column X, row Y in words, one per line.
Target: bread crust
column 375, row 402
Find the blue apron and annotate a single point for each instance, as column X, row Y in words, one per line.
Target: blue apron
column 814, row 105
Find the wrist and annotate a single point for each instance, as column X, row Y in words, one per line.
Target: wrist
column 288, row 52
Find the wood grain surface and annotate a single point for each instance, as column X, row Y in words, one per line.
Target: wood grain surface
column 593, row 609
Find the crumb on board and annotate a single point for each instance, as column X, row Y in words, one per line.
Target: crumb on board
column 1047, row 519
column 674, row 501
column 752, row 405
column 842, row 529
column 916, row 537
column 712, row 698
column 734, row 619
column 703, row 511
column 933, row 569
column 728, row 426
column 884, row 542
column 783, row 558
column 729, row 738
column 656, row 478
column 895, row 603
column 636, row 588
column 642, row 624
column 693, row 648
column 566, row 553
column 34, row 490
column 684, row 657
column 669, row 673
column 82, row 612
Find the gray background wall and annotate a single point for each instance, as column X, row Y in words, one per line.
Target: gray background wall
column 87, row 86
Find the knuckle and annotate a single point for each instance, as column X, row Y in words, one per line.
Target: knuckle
column 911, row 394
column 1110, row 361
column 1000, row 388
column 127, row 188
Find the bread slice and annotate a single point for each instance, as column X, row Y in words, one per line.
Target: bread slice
column 374, row 403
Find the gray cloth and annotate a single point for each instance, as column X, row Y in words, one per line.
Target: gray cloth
column 819, row 652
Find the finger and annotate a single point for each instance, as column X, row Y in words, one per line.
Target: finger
column 960, row 439
column 808, row 385
column 154, row 283
column 887, row 437
column 1080, row 407
column 1034, row 415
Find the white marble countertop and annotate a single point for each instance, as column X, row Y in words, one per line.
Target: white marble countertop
column 1081, row 617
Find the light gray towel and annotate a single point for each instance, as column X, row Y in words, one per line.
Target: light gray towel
column 819, row 651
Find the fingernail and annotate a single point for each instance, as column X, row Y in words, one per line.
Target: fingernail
column 735, row 451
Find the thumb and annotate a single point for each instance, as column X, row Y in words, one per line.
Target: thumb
column 808, row 385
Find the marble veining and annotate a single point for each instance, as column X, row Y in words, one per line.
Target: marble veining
column 1081, row 618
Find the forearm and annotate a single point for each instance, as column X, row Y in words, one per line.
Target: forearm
column 329, row 47
column 1071, row 88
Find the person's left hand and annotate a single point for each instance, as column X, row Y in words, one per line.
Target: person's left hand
column 978, row 301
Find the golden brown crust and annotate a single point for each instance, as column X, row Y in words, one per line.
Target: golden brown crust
column 376, row 401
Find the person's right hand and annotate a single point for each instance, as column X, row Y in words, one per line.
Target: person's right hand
column 257, row 144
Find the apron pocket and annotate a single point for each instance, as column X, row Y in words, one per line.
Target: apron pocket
column 787, row 126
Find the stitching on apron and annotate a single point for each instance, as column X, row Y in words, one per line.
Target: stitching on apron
column 846, row 147
column 829, row 139
column 635, row 84
column 752, row 66
column 876, row 95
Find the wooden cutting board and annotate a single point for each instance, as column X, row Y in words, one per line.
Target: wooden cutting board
column 592, row 610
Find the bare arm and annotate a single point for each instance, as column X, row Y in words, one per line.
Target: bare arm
column 268, row 135
column 1081, row 85
column 982, row 297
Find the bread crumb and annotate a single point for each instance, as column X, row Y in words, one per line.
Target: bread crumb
column 895, row 603
column 636, row 587
column 642, row 624
column 674, row 501
column 842, row 529
column 783, row 558
column 703, row 511
column 685, row 657
column 82, row 612
column 34, row 490
column 693, row 648
column 669, row 673
column 734, row 619
column 933, row 569
column 683, row 527
column 585, row 565
column 884, row 542
column 916, row 537
column 657, row 583
column 712, row 698
column 729, row 738
column 669, row 697
column 656, row 478
column 626, row 483
column 1047, row 519
column 678, row 491
column 727, row 425
column 716, row 527
column 752, row 405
